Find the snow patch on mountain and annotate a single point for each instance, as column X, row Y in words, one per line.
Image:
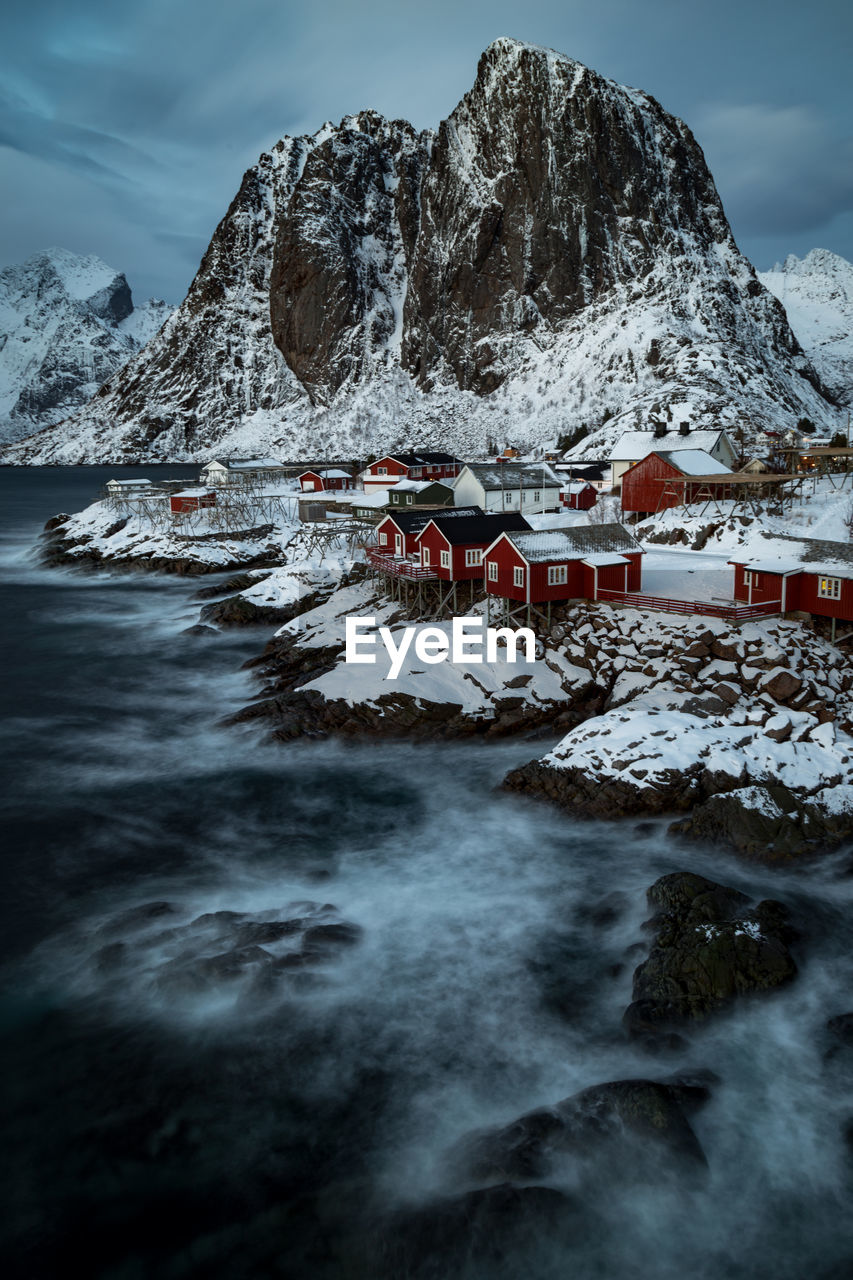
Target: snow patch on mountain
column 67, row 323
column 817, row 293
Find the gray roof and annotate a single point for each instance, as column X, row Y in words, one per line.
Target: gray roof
column 574, row 543
column 513, row 475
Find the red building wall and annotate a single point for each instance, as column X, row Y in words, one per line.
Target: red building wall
column 642, row 488
column 801, row 593
column 432, row 539
column 582, row 501
column 409, row 541
column 180, row 503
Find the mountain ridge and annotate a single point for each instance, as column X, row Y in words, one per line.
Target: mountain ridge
column 67, row 324
column 555, row 256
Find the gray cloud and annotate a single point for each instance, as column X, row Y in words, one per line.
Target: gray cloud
column 125, row 128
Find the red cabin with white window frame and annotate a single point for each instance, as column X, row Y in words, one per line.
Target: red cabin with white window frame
column 423, row 465
column 452, row 545
column 563, row 564
column 397, row 533
column 579, row 495
column 327, row 481
column 807, row 574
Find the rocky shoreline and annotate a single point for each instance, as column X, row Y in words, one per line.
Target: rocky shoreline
column 754, row 723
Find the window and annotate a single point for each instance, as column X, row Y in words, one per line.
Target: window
column 383, row 539
column 382, row 471
column 416, row 471
column 493, row 571
column 408, row 499
column 557, row 574
column 518, row 576
column 445, row 559
column 424, row 556
column 474, row 556
column 536, row 495
column 751, row 579
column 829, row 588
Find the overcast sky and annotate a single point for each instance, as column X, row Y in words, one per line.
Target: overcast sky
column 125, row 127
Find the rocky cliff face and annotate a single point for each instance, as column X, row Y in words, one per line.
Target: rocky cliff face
column 67, row 323
column 817, row 294
column 556, row 256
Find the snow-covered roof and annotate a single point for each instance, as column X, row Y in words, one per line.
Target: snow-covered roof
column 413, row 486
column 329, row 473
column 576, row 542
column 513, row 475
column 246, row 464
column 693, row 462
column 379, row 498
column 577, row 486
column 599, row 559
column 787, row 553
column 633, row 446
column 136, row 484
column 195, row 491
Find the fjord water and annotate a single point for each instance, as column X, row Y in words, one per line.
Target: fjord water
column 245, row 1131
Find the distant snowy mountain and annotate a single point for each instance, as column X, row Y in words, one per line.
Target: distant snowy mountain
column 555, row 256
column 67, row 324
column 817, row 293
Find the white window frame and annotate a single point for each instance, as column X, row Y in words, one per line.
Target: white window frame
column 409, row 499
column 537, row 494
column 518, row 576
column 445, row 559
column 383, row 539
column 416, row 471
column 399, row 544
column 382, row 471
column 493, row 570
column 751, row 578
column 473, row 557
column 558, row 575
column 829, row 588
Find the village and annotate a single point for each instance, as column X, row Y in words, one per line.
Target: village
column 436, row 532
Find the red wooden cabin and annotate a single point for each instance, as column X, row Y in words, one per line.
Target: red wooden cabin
column 325, row 481
column 563, row 564
column 191, row 500
column 810, row 574
column 645, row 489
column 423, row 465
column 397, row 533
column 452, row 545
column 579, row 495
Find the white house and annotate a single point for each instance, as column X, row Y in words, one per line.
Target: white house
column 242, row 471
column 633, row 446
column 508, row 486
column 126, row 488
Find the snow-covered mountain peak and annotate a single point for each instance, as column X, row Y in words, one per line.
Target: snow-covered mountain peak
column 817, row 294
column 67, row 323
column 554, row 257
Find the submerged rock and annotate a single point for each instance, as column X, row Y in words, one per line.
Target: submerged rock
column 710, row 946
column 633, row 1122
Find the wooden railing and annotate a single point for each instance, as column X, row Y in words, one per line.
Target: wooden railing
column 396, row 566
column 661, row 604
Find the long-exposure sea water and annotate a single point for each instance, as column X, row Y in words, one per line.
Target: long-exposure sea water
column 170, row 1116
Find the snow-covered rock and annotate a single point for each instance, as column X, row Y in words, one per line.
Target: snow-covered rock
column 817, row 294
column 67, row 324
column 556, row 255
